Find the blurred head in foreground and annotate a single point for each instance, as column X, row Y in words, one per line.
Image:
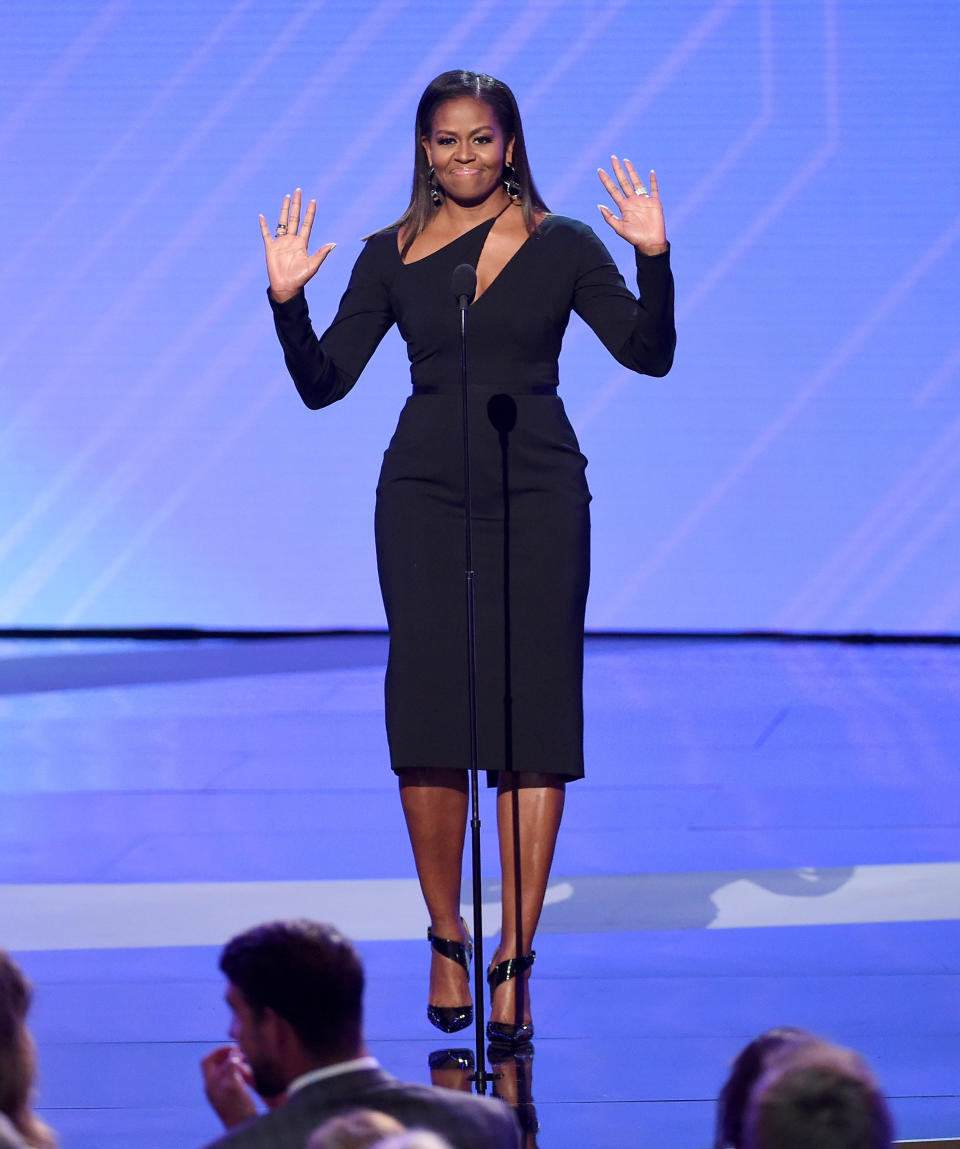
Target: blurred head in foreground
column 358, row 1129
column 17, row 1058
column 817, row 1096
column 415, row 1139
column 748, row 1067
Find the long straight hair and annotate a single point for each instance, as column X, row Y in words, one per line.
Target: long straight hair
column 17, row 1057
column 454, row 86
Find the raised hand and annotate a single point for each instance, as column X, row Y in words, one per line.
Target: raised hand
column 641, row 213
column 227, row 1084
column 289, row 263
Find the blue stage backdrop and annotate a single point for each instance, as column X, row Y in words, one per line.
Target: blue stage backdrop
column 800, row 467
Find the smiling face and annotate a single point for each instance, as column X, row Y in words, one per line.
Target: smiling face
column 467, row 148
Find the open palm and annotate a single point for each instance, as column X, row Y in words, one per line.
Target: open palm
column 289, row 263
column 641, row 213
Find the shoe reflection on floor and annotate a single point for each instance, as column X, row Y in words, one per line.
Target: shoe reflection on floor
column 511, row 1075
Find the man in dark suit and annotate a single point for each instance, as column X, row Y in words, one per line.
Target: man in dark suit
column 296, row 998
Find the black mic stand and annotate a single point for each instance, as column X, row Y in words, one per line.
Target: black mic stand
column 464, row 286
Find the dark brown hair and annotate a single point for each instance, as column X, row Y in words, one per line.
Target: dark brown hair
column 454, row 86
column 306, row 972
column 17, row 1058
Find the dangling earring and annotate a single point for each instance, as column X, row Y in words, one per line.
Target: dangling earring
column 436, row 191
column 511, row 185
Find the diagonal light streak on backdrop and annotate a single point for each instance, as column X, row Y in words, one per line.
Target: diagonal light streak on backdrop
column 654, row 86
column 787, row 415
column 551, row 78
column 234, row 430
column 512, row 42
column 764, row 219
column 40, row 398
column 165, row 258
column 24, row 589
column 709, row 183
column 941, row 616
column 888, row 520
column 66, row 203
column 939, row 379
column 64, row 67
column 621, row 379
column 906, row 553
column 587, row 161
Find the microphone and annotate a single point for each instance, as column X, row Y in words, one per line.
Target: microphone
column 464, row 285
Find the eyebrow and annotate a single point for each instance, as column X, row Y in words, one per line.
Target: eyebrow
column 472, row 132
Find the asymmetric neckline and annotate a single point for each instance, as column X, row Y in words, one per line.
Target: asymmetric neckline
column 488, row 223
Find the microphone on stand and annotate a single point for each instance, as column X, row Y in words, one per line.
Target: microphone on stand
column 464, row 285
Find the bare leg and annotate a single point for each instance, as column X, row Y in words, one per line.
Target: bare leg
column 529, row 809
column 435, row 807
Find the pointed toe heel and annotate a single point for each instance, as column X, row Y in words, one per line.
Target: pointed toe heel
column 500, row 1033
column 450, row 1018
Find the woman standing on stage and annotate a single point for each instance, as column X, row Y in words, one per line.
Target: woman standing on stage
column 474, row 201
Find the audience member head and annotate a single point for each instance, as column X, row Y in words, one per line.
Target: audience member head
column 817, row 1096
column 748, row 1067
column 415, row 1139
column 357, row 1129
column 17, row 1056
column 296, row 994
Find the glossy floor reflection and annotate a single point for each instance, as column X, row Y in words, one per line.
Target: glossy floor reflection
column 769, row 833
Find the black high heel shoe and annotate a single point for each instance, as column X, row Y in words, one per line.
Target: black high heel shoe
column 500, row 1032
column 450, row 1018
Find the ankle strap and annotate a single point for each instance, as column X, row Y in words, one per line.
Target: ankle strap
column 448, row 948
column 510, row 968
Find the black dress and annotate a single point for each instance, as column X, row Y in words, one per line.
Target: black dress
column 530, row 498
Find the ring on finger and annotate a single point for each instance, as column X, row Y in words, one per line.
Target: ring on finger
column 281, row 229
column 641, row 190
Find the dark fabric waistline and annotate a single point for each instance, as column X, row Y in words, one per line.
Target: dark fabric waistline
column 530, row 389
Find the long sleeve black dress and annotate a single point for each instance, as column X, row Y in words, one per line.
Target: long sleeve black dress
column 530, row 498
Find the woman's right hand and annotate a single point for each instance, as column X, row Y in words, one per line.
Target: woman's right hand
column 289, row 263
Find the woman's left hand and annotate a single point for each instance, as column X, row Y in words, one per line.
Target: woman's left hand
column 641, row 213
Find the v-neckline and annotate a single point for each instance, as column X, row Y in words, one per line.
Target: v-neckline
column 487, row 223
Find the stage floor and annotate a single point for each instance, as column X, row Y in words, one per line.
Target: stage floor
column 769, row 833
